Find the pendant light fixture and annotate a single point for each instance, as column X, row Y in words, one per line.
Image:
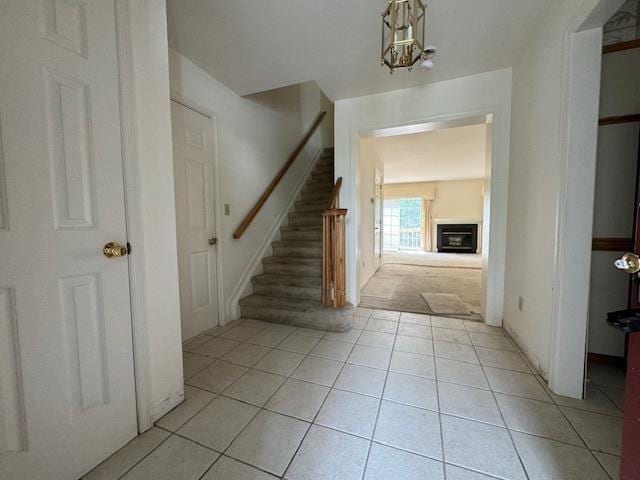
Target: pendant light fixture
column 403, row 34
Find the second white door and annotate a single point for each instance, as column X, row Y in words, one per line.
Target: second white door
column 195, row 219
column 377, row 218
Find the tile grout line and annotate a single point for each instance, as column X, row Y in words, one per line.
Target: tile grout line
column 259, row 409
column 513, row 443
column 317, row 413
column 603, row 392
column 158, row 446
column 145, row 456
column 216, row 395
column 380, row 399
column 384, row 386
column 435, row 373
column 593, row 455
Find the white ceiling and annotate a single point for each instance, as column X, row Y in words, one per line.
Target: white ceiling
column 258, row 45
column 449, row 154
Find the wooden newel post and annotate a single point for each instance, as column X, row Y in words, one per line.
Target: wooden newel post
column 333, row 258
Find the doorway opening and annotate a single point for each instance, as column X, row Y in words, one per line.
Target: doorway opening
column 428, row 184
column 615, row 212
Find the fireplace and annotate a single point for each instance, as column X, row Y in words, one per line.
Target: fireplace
column 458, row 238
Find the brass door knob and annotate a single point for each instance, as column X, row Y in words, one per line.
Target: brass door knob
column 629, row 262
column 114, row 249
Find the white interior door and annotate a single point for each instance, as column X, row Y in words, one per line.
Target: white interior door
column 66, row 360
column 193, row 176
column 377, row 218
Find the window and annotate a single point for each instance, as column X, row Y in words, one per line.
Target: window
column 403, row 224
column 391, row 225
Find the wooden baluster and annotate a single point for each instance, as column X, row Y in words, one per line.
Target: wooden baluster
column 333, row 258
column 333, row 251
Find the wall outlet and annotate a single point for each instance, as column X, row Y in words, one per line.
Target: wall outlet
column 521, row 303
column 227, row 209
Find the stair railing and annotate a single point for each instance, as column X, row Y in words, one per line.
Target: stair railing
column 274, row 183
column 333, row 251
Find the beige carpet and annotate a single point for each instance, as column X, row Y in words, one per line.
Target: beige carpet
column 433, row 259
column 380, row 288
column 400, row 287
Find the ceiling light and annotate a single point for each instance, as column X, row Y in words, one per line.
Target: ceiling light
column 403, row 33
column 426, row 59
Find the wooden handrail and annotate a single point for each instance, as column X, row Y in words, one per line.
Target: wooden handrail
column 333, row 251
column 632, row 117
column 274, row 183
column 618, row 47
column 335, row 194
column 612, row 244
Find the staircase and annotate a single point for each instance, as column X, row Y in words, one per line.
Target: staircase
column 289, row 290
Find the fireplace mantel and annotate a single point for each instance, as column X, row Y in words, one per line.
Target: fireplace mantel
column 457, row 220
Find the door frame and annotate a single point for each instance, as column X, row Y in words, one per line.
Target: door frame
column 217, row 197
column 496, row 201
column 133, row 216
column 134, row 212
column 578, row 133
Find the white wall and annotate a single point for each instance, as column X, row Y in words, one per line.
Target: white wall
column 426, row 190
column 156, row 198
column 616, row 168
column 368, row 161
column 551, row 181
column 458, row 199
column 487, row 93
column 256, row 134
column 535, row 150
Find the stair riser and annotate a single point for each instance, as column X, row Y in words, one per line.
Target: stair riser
column 304, row 281
column 321, row 171
column 315, row 208
column 326, row 187
column 305, row 221
column 297, row 319
column 309, row 196
column 327, row 177
column 320, row 181
column 305, row 252
column 323, row 175
column 315, row 235
column 308, row 293
column 291, row 269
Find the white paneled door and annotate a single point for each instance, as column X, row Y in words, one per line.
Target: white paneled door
column 377, row 217
column 67, row 396
column 195, row 220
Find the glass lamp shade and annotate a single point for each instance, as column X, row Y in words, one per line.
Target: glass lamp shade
column 403, row 32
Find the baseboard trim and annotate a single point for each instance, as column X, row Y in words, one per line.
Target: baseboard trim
column 160, row 409
column 531, row 359
column 232, row 306
column 605, row 359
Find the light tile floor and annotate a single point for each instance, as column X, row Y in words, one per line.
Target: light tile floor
column 402, row 396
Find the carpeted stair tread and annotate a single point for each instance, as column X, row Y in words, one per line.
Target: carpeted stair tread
column 290, row 287
column 296, row 260
column 293, row 280
column 281, row 303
